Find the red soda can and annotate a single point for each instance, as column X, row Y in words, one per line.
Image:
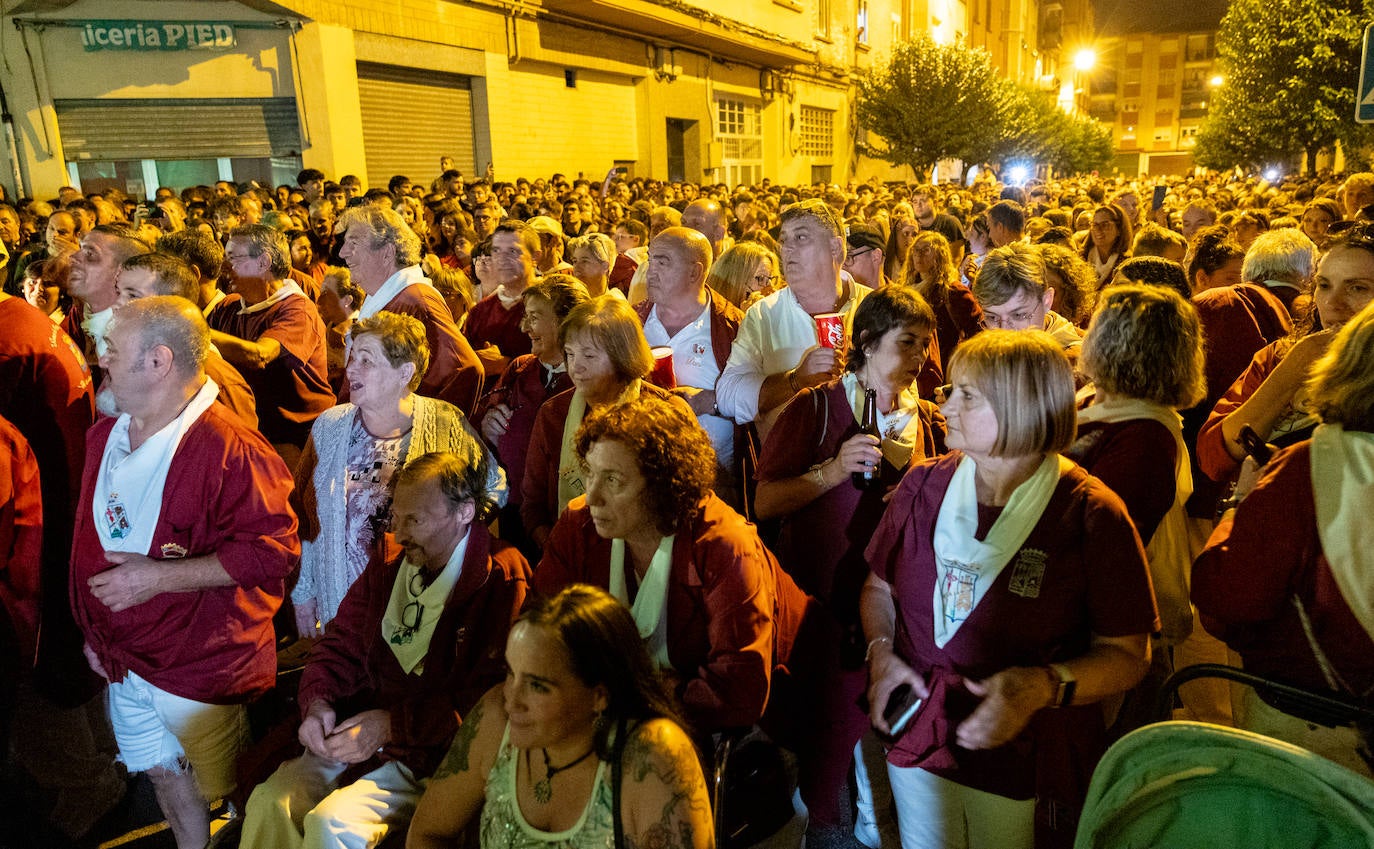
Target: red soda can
column 830, row 329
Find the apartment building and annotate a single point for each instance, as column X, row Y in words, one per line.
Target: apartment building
column 141, row 93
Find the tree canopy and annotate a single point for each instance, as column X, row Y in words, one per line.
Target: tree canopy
column 932, row 101
column 1290, row 70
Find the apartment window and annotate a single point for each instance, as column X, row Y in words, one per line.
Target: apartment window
column 823, row 18
column 1198, row 48
column 817, row 132
column 739, row 128
column 861, row 24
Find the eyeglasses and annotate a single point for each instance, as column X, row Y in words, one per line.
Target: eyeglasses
column 1016, row 319
column 412, row 614
column 763, row 278
column 853, row 255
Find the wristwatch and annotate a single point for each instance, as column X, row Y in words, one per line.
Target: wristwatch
column 1064, row 684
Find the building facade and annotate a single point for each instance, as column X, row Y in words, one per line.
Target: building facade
column 140, row 93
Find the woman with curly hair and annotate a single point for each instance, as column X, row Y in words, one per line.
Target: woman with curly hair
column 1216, row 260
column 711, row 602
column 930, row 271
column 1074, row 283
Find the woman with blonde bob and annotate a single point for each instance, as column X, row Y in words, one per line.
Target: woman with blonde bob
column 1284, row 580
column 1144, row 353
column 930, row 270
column 1009, row 592
column 743, row 273
column 608, row 359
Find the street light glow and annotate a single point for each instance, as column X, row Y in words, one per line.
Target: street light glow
column 1216, row 80
column 1085, row 59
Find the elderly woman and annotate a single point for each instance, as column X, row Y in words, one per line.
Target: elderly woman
column 707, row 596
column 1108, row 242
column 507, row 413
column 1041, row 563
column 1144, row 353
column 743, row 273
column 1270, row 394
column 344, row 479
column 1285, row 577
column 930, row 271
column 538, row 758
column 593, row 257
column 805, row 478
column 608, row 360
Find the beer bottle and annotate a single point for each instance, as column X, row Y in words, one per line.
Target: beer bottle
column 872, row 478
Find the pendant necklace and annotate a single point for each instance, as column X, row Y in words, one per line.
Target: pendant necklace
column 543, row 788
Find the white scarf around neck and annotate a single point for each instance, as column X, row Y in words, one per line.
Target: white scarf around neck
column 1343, row 483
column 286, row 290
column 403, row 279
column 410, row 647
column 570, row 482
column 651, row 599
column 127, row 500
column 900, row 428
column 965, row 566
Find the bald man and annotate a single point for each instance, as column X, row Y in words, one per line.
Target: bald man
column 699, row 325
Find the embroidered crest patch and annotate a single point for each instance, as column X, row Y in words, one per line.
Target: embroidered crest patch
column 1028, row 573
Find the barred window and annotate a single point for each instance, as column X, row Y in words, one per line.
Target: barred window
column 739, row 129
column 817, row 132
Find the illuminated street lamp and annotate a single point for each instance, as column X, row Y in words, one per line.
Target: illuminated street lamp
column 1216, row 81
column 1085, row 59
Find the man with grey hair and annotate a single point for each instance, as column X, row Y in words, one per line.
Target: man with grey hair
column 1011, row 289
column 183, row 542
column 1283, row 262
column 779, row 350
column 383, row 254
column 272, row 333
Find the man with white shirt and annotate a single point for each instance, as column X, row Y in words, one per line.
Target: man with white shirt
column 383, row 254
column 699, row 326
column 91, row 282
column 182, row 546
column 778, row 350
column 272, row 333
column 414, row 646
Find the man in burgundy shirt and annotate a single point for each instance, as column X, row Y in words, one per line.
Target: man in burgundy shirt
column 272, row 333
column 493, row 323
column 183, row 542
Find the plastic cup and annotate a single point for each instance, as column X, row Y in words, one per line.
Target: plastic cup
column 662, row 374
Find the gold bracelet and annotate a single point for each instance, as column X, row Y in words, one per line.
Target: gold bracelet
column 868, row 655
column 792, row 381
column 817, row 475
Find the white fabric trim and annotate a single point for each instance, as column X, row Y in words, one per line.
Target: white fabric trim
column 94, row 325
column 397, row 283
column 964, row 566
column 900, row 428
column 570, row 482
column 288, row 288
column 1343, row 483
column 127, row 501
column 411, row 653
column 651, row 599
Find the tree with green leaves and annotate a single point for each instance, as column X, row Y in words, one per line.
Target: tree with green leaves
column 930, row 102
column 1290, row 68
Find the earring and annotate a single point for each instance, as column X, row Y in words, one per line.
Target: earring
column 599, row 721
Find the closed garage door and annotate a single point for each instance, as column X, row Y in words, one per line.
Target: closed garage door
column 410, row 119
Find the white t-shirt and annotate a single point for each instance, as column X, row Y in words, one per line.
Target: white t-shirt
column 694, row 364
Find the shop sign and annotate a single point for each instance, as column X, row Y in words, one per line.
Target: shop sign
column 157, row 35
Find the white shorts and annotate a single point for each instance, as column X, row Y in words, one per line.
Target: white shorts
column 157, row 729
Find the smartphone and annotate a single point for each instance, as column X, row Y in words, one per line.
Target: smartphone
column 901, row 707
column 1158, row 200
column 1254, row 446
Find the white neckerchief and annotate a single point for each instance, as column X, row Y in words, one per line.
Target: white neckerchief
column 286, row 290
column 964, row 566
column 570, row 483
column 410, row 649
column 900, row 428
column 1102, row 268
column 1343, row 481
column 94, row 325
column 1171, row 560
column 214, row 302
column 652, row 596
column 404, row 278
column 127, row 501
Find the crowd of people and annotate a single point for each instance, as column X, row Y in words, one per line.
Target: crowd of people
column 558, row 483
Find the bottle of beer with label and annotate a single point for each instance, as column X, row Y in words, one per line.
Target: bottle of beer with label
column 872, row 478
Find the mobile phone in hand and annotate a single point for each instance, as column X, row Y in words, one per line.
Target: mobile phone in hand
column 901, row 707
column 1254, row 446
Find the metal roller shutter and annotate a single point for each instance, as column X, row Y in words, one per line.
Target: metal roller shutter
column 178, row 129
column 410, row 119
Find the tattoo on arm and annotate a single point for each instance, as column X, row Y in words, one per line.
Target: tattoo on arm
column 686, row 811
column 456, row 760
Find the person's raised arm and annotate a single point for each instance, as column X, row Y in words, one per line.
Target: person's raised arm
column 456, row 792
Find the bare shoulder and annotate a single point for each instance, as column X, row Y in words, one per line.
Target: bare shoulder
column 478, row 738
column 665, row 795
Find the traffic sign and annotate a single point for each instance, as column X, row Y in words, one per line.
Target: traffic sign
column 1364, row 107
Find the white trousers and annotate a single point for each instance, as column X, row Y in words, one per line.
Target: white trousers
column 936, row 813
column 301, row 805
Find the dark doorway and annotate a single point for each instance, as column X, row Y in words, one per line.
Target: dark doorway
column 677, row 148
